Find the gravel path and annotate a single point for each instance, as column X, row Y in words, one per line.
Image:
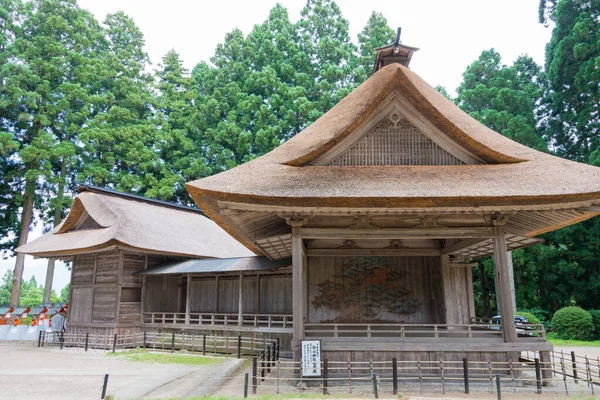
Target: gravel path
column 27, row 372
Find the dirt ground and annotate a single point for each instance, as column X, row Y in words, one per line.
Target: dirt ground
column 27, row 372
column 31, row 373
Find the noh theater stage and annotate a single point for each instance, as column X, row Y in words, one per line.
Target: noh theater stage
column 360, row 231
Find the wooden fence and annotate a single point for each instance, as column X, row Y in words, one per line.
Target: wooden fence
column 525, row 375
column 240, row 346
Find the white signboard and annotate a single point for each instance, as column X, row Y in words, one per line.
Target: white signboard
column 311, row 358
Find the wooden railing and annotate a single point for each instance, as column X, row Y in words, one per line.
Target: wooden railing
column 524, row 331
column 404, row 331
column 220, row 319
column 415, row 332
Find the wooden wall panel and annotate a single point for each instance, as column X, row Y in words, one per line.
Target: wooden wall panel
column 458, row 295
column 133, row 263
column 202, row 295
column 83, row 270
column 104, row 308
column 419, row 277
column 80, row 309
column 228, row 294
column 162, row 293
column 276, row 294
column 107, row 268
column 249, row 292
column 129, row 313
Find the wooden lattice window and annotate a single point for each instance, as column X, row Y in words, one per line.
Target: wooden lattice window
column 395, row 141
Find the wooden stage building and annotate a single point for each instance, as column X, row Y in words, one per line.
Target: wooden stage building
column 362, row 230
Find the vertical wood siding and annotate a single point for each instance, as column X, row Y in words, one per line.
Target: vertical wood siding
column 420, row 275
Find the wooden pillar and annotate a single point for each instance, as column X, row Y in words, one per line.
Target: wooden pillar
column 470, row 295
column 188, row 291
column 450, row 316
column 257, row 311
column 511, row 274
column 241, row 299
column 144, row 283
column 503, row 281
column 217, row 294
column 298, row 271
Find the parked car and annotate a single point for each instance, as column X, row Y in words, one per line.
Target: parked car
column 519, row 320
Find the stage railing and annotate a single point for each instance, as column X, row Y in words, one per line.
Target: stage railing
column 219, row 319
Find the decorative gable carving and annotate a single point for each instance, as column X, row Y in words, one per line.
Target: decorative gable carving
column 394, row 141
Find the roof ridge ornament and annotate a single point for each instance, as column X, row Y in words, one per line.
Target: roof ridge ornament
column 395, row 52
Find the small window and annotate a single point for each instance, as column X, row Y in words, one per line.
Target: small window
column 131, row 295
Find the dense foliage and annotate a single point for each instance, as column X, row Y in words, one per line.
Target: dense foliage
column 79, row 103
column 596, row 321
column 573, row 323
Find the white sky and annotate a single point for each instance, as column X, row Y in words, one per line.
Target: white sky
column 450, row 34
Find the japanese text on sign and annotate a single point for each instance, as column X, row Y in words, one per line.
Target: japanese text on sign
column 311, row 358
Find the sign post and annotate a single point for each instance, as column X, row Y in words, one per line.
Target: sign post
column 311, row 358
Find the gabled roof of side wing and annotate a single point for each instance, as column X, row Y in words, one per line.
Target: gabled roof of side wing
column 101, row 220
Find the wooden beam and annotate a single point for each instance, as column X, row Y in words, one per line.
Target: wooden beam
column 461, row 245
column 396, row 233
column 459, row 265
column 372, row 252
column 503, row 284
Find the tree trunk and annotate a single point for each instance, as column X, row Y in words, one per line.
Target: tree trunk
column 26, row 218
column 57, row 217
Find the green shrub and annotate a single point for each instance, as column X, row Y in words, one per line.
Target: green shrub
column 573, row 323
column 530, row 317
column 596, row 321
column 542, row 315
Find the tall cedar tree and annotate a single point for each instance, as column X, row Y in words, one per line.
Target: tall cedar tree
column 43, row 105
column 10, row 184
column 567, row 266
column 375, row 34
column 507, row 100
column 120, row 141
column 180, row 142
column 572, row 64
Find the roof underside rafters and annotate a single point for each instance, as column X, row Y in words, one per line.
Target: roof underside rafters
column 269, row 232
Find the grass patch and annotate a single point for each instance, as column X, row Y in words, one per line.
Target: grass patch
column 551, row 337
column 145, row 356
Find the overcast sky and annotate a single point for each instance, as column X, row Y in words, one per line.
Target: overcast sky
column 450, row 35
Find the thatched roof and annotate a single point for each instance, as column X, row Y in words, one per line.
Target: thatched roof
column 103, row 219
column 509, row 173
column 504, row 172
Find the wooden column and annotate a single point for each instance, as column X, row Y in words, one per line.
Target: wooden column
column 241, row 299
column 217, row 294
column 144, row 283
column 511, row 274
column 188, row 291
column 257, row 311
column 298, row 269
column 502, row 277
column 448, row 293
